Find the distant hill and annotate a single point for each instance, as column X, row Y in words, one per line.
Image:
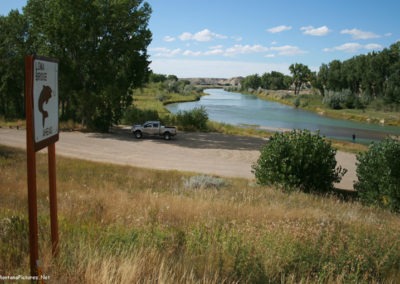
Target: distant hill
column 215, row 81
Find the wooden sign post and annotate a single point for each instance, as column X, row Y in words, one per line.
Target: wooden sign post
column 41, row 103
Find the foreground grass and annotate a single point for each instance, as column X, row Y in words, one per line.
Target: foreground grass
column 121, row 224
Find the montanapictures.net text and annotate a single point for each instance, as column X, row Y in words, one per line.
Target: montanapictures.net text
column 23, row 277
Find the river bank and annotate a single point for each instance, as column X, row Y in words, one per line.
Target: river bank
column 246, row 111
column 375, row 113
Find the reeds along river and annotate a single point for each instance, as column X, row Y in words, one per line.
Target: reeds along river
column 248, row 110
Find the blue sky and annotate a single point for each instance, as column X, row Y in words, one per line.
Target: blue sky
column 228, row 38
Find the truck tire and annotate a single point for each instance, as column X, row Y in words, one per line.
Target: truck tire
column 167, row 136
column 138, row 134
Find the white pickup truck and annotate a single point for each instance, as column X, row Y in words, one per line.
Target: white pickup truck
column 153, row 128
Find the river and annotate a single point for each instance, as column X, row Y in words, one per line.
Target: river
column 248, row 110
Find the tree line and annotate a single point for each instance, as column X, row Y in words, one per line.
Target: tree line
column 350, row 83
column 101, row 46
column 366, row 77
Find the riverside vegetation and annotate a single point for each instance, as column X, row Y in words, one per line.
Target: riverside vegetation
column 121, row 224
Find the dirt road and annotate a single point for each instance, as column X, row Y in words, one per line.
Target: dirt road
column 209, row 153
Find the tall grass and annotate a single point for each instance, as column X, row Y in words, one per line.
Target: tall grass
column 122, row 224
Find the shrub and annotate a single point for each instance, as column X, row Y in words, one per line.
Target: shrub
column 195, row 119
column 378, row 172
column 297, row 102
column 204, row 182
column 343, row 99
column 135, row 115
column 298, row 160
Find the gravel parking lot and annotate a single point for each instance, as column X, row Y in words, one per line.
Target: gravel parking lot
column 209, row 153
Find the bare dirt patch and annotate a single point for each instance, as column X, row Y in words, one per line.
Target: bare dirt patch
column 209, row 153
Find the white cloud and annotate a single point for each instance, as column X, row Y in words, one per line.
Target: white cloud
column 165, row 52
column 245, row 49
column 215, row 50
column 169, row 38
column 203, row 36
column 279, row 29
column 287, row 50
column 237, row 38
column 373, row 46
column 192, row 53
column 220, row 46
column 359, row 34
column 237, row 49
column 310, row 30
column 186, row 68
column 185, row 36
column 353, row 47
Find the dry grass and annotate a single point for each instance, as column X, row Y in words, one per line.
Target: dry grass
column 125, row 225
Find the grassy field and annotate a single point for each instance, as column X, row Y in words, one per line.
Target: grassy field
column 152, row 97
column 122, row 224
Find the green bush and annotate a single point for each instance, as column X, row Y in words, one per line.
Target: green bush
column 342, row 99
column 133, row 115
column 298, row 160
column 195, row 119
column 378, row 172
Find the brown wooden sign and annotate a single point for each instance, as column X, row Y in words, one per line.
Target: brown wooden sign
column 44, row 93
column 41, row 105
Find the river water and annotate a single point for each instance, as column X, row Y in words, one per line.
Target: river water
column 248, row 110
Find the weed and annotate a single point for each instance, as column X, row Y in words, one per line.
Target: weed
column 204, row 182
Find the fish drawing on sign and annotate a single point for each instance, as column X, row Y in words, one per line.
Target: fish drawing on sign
column 44, row 97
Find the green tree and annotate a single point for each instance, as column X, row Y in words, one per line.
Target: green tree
column 102, row 49
column 392, row 85
column 195, row 119
column 12, row 51
column 298, row 160
column 322, row 79
column 273, row 81
column 251, row 82
column 157, row 78
column 378, row 172
column 371, row 76
column 301, row 74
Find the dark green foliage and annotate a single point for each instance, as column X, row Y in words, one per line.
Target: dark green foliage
column 371, row 76
column 301, row 75
column 268, row 81
column 12, row 51
column 133, row 115
column 102, row 51
column 298, row 160
column 296, row 102
column 378, row 172
column 251, row 82
column 342, row 99
column 195, row 119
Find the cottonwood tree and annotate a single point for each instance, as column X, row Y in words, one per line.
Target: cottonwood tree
column 368, row 77
column 301, row 74
column 12, row 51
column 102, row 49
